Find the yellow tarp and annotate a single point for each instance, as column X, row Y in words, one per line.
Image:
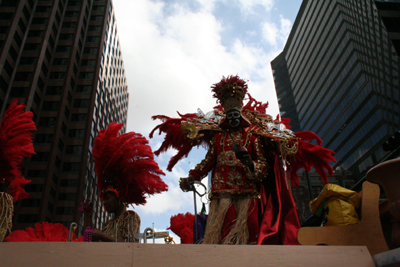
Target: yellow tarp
column 340, row 204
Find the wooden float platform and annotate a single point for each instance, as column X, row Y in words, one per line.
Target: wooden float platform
column 129, row 254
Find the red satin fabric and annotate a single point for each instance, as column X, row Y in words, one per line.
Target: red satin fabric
column 280, row 223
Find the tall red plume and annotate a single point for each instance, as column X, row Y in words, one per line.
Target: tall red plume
column 15, row 144
column 182, row 226
column 43, row 232
column 126, row 162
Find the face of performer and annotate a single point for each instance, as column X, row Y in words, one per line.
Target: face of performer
column 234, row 118
column 111, row 202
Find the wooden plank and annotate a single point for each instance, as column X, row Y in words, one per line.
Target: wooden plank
column 125, row 254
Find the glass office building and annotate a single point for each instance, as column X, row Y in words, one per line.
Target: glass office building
column 338, row 76
column 62, row 58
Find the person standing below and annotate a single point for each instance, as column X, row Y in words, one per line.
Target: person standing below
column 126, row 173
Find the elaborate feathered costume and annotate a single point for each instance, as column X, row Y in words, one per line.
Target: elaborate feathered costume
column 15, row 144
column 125, row 166
column 246, row 206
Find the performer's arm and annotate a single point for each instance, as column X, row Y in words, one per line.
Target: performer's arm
column 202, row 169
column 256, row 164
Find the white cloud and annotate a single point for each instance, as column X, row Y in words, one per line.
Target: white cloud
column 170, row 63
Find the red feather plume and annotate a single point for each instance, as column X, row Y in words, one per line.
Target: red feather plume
column 182, row 226
column 126, row 162
column 43, row 232
column 15, row 144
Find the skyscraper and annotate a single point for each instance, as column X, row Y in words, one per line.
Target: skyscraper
column 62, row 58
column 342, row 76
column 338, row 76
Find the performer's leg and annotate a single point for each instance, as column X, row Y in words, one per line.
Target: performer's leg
column 252, row 222
column 215, row 220
column 229, row 222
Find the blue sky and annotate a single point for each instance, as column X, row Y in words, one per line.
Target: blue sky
column 174, row 50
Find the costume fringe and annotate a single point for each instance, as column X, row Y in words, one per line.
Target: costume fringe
column 239, row 234
column 215, row 220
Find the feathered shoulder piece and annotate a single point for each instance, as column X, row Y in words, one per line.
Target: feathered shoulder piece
column 15, row 144
column 125, row 164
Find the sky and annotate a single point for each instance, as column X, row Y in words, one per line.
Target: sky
column 173, row 51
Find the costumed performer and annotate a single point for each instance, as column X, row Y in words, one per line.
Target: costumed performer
column 251, row 157
column 15, row 144
column 126, row 172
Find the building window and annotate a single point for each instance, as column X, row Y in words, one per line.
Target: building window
column 47, row 122
column 23, row 76
column 36, row 173
column 53, row 90
column 69, row 25
column 57, row 75
column 94, row 28
column 76, row 133
column 73, row 150
column 44, row 138
column 40, row 21
column 86, row 75
column 67, row 196
column 28, row 218
column 19, row 91
column 31, row 47
column 64, row 210
column 81, row 103
column 72, row 167
column 35, row 202
column 66, row 37
column 40, row 157
column 35, row 33
column 69, row 183
column 60, row 145
column 78, row 117
column 33, row 187
column 60, row 61
column 90, row 50
column 50, row 105
column 84, row 89
column 27, row 61
column 63, row 49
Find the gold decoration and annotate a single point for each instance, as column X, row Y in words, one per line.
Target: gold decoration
column 6, row 211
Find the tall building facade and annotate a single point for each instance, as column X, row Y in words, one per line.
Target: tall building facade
column 62, row 58
column 338, row 76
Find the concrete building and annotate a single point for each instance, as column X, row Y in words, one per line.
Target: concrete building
column 62, row 58
column 338, row 76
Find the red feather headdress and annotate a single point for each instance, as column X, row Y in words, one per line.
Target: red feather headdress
column 125, row 164
column 15, row 144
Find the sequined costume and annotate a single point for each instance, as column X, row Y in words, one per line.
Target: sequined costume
column 127, row 224
column 235, row 188
column 247, row 206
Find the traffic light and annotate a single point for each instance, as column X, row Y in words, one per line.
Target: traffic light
column 393, row 142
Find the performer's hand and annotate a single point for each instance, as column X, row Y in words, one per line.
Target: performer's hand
column 186, row 183
column 246, row 159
